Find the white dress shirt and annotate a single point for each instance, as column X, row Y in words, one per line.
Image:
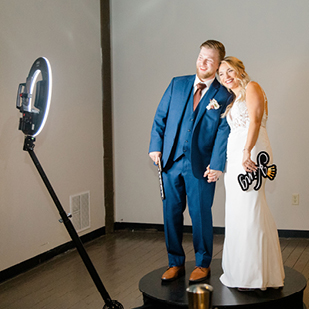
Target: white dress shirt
column 207, row 83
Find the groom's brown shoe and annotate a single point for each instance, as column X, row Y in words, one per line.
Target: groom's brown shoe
column 173, row 273
column 199, row 274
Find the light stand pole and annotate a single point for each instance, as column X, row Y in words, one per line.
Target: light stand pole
column 109, row 303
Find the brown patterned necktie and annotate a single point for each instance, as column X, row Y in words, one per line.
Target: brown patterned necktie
column 198, row 94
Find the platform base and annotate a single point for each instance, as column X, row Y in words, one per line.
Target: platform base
column 173, row 295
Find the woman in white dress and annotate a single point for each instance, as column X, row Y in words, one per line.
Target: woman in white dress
column 251, row 253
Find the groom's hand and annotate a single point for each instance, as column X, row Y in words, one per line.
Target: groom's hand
column 155, row 156
column 206, row 173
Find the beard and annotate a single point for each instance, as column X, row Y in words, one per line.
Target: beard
column 205, row 75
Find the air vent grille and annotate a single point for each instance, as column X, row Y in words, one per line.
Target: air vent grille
column 80, row 210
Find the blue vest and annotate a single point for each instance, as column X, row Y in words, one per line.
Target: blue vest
column 182, row 142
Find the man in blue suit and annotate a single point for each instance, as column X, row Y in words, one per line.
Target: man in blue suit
column 190, row 137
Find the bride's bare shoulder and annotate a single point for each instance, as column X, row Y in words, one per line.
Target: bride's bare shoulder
column 253, row 85
column 254, row 88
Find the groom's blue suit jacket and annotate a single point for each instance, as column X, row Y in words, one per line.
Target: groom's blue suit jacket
column 210, row 131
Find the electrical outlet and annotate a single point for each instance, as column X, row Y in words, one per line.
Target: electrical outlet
column 295, row 199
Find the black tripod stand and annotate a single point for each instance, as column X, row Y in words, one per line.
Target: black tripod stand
column 109, row 303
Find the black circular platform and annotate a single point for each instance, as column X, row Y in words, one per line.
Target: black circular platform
column 158, row 294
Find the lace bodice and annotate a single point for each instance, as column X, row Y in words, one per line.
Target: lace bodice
column 238, row 116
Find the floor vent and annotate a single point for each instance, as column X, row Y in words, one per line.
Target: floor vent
column 80, row 210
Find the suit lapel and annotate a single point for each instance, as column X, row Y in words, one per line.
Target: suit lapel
column 180, row 99
column 184, row 97
column 209, row 95
column 187, row 89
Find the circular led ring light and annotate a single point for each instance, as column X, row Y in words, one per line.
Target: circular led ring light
column 34, row 114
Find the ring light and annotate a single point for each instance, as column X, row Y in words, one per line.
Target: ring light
column 34, row 114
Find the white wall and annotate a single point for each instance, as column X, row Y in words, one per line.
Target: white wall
column 156, row 40
column 70, row 146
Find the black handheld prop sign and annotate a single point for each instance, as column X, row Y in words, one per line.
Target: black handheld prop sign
column 161, row 181
column 270, row 172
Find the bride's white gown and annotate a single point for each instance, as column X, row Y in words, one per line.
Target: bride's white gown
column 251, row 253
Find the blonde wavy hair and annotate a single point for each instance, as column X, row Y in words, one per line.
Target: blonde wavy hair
column 241, row 75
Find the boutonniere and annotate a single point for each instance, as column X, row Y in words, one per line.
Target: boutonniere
column 213, row 104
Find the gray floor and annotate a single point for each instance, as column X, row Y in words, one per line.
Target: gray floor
column 121, row 260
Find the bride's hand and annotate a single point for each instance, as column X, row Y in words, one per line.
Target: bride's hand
column 247, row 163
column 213, row 175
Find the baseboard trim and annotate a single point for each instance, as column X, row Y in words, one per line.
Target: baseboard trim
column 156, row 227
column 188, row 229
column 293, row 233
column 43, row 257
column 39, row 259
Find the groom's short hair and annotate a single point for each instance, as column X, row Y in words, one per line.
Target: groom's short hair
column 218, row 46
